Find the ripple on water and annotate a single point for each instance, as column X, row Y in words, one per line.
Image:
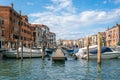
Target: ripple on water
column 36, row 69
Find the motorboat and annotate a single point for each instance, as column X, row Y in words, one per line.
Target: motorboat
column 106, row 53
column 49, row 50
column 70, row 51
column 67, row 50
column 27, row 52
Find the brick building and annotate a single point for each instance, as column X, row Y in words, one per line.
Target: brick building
column 16, row 26
column 26, row 32
column 2, row 32
column 17, row 29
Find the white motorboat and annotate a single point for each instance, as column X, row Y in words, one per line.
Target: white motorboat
column 106, row 53
column 12, row 53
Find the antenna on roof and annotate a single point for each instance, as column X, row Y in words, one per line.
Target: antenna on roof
column 12, row 5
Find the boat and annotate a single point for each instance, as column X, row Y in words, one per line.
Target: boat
column 106, row 53
column 67, row 51
column 12, row 53
column 49, row 50
column 70, row 51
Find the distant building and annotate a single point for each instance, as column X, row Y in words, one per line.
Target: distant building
column 52, row 39
column 45, row 35
column 59, row 42
column 37, row 34
column 69, row 43
column 41, row 34
column 113, row 35
column 103, row 38
column 82, row 42
column 93, row 40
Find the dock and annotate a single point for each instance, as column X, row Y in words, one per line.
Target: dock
column 58, row 55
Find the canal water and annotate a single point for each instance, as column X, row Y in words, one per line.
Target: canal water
column 37, row 69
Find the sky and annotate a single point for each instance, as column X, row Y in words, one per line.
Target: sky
column 70, row 19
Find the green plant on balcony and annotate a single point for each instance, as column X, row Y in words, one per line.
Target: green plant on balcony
column 118, row 43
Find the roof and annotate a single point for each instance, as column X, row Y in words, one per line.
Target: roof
column 113, row 27
column 10, row 7
column 51, row 32
column 39, row 25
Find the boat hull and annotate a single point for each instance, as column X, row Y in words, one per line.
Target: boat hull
column 12, row 53
column 103, row 56
column 70, row 52
column 25, row 55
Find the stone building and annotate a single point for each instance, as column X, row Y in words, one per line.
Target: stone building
column 52, row 39
column 82, row 42
column 113, row 35
column 37, row 34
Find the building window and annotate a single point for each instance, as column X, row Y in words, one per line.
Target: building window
column 10, row 11
column 16, row 36
column 24, row 31
column 3, row 33
column 2, row 22
column 2, row 42
column 10, row 18
column 24, row 38
column 21, row 38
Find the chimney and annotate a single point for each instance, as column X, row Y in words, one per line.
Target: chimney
column 12, row 5
column 20, row 12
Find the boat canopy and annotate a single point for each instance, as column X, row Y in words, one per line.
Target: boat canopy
column 103, row 49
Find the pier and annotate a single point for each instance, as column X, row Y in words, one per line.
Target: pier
column 58, row 55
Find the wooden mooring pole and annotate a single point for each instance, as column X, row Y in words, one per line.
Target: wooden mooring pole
column 17, row 47
column 87, row 46
column 99, row 49
column 31, row 50
column 43, row 52
column 21, row 50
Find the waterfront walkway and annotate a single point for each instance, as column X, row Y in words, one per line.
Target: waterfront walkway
column 58, row 55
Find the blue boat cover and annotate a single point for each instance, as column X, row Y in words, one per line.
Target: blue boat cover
column 103, row 49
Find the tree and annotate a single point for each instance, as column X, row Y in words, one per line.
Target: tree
column 118, row 43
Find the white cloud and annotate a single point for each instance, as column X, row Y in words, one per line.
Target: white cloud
column 117, row 1
column 67, row 24
column 104, row 2
column 30, row 3
column 60, row 5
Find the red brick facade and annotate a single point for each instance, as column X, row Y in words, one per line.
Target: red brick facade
column 16, row 26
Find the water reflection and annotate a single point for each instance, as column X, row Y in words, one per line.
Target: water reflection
column 37, row 69
column 99, row 68
column 87, row 71
column 58, row 63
